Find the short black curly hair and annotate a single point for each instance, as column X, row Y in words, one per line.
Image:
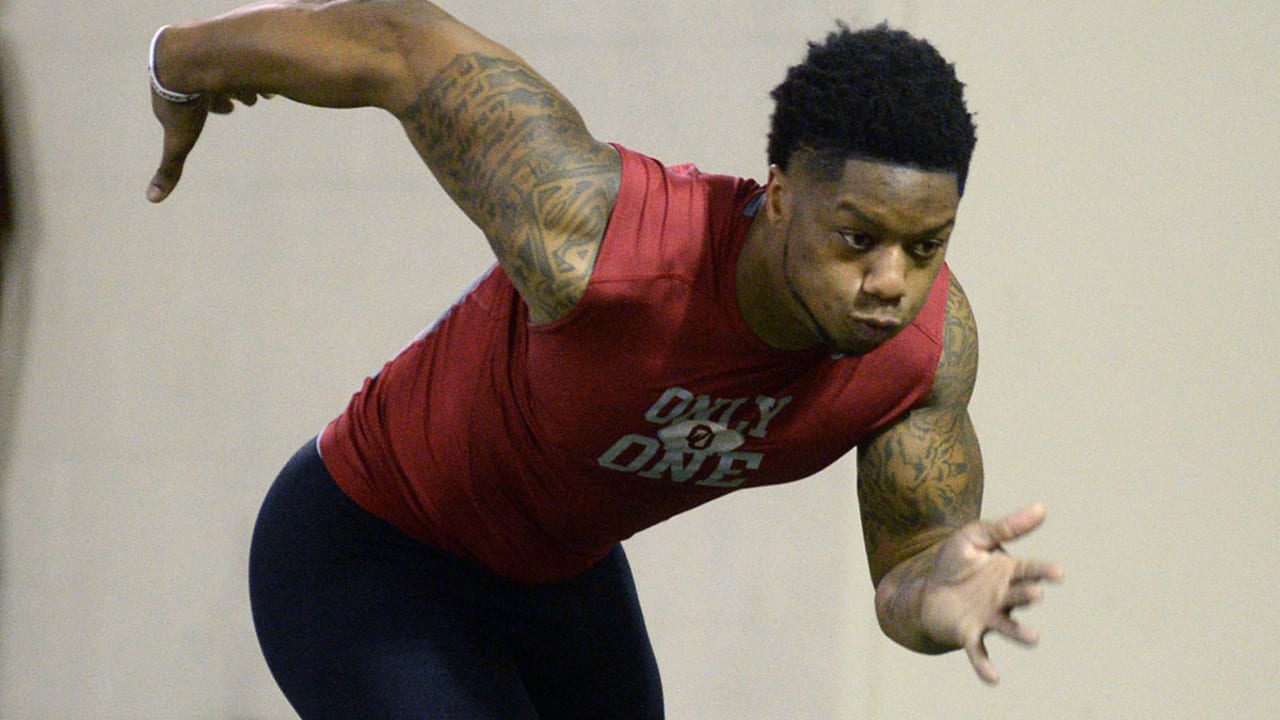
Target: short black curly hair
column 873, row 94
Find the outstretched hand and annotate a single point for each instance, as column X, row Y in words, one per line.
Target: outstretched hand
column 975, row 586
column 182, row 123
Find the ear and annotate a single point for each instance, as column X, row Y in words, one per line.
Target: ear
column 777, row 197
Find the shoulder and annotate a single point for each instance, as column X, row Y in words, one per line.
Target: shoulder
column 670, row 218
column 958, row 362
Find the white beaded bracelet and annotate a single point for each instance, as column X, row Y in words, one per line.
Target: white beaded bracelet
column 159, row 89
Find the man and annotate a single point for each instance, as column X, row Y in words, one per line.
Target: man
column 652, row 338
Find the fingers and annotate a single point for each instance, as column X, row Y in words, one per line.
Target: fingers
column 1037, row 571
column 169, row 172
column 162, row 184
column 225, row 104
column 182, row 123
column 1025, row 589
column 1016, row 524
column 977, row 649
column 1023, row 594
column 991, row 534
column 1019, row 594
column 995, row 584
column 1015, row 631
column 176, row 148
column 981, row 661
column 221, row 105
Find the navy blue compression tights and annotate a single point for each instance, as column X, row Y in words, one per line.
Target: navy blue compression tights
column 357, row 620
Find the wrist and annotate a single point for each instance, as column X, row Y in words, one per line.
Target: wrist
column 159, row 88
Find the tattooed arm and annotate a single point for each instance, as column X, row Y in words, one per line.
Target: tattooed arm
column 509, row 149
column 942, row 580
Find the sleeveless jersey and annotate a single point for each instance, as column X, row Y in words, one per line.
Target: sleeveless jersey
column 533, row 449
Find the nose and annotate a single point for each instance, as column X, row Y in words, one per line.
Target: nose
column 885, row 277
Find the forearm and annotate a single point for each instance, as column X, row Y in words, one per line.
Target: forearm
column 900, row 603
column 331, row 54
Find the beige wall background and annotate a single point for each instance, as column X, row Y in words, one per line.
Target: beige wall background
column 1119, row 240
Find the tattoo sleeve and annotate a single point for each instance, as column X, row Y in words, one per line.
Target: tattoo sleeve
column 922, row 477
column 516, row 157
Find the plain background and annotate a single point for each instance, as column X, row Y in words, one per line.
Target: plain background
column 1120, row 241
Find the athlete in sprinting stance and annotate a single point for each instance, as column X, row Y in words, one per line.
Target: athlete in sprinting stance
column 652, row 338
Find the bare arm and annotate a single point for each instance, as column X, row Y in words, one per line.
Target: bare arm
column 921, row 479
column 941, row 579
column 506, row 145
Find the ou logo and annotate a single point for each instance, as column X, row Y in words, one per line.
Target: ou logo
column 700, row 436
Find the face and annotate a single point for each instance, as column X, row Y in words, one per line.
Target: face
column 858, row 255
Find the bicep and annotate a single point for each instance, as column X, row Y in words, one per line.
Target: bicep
column 922, row 476
column 917, row 481
column 515, row 155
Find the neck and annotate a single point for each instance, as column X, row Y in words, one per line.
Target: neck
column 763, row 298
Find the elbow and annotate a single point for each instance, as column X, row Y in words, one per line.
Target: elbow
column 412, row 43
column 891, row 608
column 372, row 51
column 899, row 612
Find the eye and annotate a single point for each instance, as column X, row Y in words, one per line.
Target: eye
column 928, row 248
column 857, row 240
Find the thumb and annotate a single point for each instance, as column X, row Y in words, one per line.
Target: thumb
column 182, row 126
column 1011, row 526
column 165, row 179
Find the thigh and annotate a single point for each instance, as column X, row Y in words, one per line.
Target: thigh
column 358, row 621
column 588, row 654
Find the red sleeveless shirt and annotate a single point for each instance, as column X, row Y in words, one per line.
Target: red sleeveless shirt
column 532, row 450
